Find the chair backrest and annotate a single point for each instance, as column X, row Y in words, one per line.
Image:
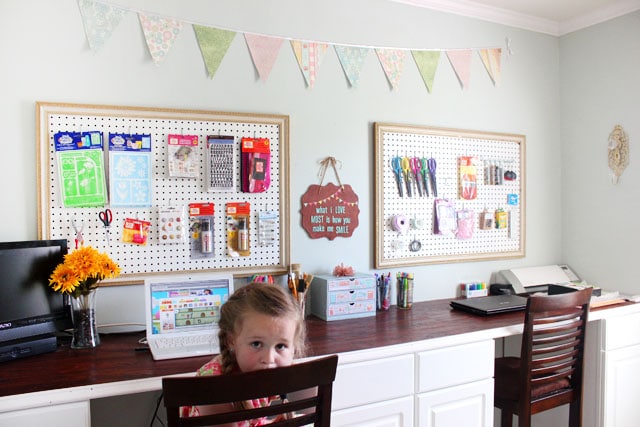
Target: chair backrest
column 552, row 351
column 238, row 387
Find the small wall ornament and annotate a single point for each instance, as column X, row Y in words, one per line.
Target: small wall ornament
column 618, row 152
column 329, row 210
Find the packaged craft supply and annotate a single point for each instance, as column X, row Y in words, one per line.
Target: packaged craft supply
column 238, row 227
column 268, row 227
column 255, row 164
column 201, row 230
column 81, row 169
column 220, row 164
column 182, row 156
column 135, row 231
column 172, row 225
column 130, row 170
column 467, row 174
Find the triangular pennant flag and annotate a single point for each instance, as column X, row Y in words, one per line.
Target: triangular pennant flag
column 264, row 51
column 352, row 59
column 392, row 61
column 309, row 55
column 461, row 62
column 491, row 60
column 99, row 21
column 214, row 44
column 160, row 34
column 427, row 63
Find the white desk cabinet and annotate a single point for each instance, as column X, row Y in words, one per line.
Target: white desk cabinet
column 67, row 415
column 611, row 390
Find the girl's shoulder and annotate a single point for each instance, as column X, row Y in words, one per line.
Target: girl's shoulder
column 212, row 367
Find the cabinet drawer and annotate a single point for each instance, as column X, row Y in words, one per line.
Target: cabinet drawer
column 451, row 366
column 390, row 413
column 364, row 308
column 621, row 331
column 372, row 381
column 351, row 296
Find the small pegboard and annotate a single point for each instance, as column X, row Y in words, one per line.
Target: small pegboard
column 169, row 192
column 478, row 212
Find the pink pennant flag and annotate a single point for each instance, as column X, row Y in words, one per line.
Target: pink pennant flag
column 309, row 55
column 491, row 60
column 461, row 62
column 392, row 61
column 264, row 52
column 160, row 33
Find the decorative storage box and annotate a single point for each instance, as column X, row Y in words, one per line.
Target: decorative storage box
column 337, row 298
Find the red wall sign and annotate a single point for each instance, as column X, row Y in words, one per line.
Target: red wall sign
column 329, row 211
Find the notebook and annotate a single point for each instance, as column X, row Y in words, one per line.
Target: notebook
column 182, row 313
column 492, row 304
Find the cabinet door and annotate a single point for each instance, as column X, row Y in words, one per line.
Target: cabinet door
column 621, row 392
column 391, row 413
column 468, row 405
column 68, row 415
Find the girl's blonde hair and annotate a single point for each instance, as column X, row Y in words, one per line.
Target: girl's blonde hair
column 270, row 300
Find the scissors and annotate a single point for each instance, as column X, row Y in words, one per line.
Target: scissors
column 431, row 164
column 106, row 217
column 416, row 167
column 406, row 167
column 397, row 171
column 425, row 175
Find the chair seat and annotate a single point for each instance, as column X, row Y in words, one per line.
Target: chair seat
column 507, row 381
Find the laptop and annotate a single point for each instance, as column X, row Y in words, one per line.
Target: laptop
column 492, row 304
column 182, row 313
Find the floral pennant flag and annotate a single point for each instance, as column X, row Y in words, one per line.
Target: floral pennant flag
column 461, row 62
column 309, row 55
column 99, row 21
column 427, row 63
column 491, row 60
column 264, row 51
column 160, row 34
column 352, row 59
column 214, row 44
column 392, row 61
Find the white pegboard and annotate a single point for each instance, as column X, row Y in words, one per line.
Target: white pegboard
column 56, row 221
column 446, row 146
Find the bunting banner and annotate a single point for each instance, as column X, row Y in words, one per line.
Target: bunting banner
column 99, row 21
column 214, row 44
column 352, row 59
column 491, row 60
column 309, row 55
column 264, row 52
column 160, row 33
column 427, row 63
column 461, row 62
column 392, row 61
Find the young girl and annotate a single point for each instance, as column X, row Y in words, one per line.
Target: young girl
column 261, row 327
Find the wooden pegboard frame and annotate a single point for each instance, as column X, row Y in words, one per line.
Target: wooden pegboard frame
column 446, row 146
column 55, row 221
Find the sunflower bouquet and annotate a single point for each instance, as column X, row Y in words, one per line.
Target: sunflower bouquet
column 82, row 270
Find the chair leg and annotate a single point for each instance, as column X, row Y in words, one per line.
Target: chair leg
column 506, row 418
column 575, row 415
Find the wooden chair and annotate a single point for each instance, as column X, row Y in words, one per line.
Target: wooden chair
column 236, row 387
column 548, row 372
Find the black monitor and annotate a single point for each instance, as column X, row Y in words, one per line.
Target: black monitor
column 31, row 313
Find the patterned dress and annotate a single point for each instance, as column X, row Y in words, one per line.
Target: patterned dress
column 214, row 367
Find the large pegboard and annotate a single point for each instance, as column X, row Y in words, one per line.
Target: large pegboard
column 56, row 221
column 447, row 146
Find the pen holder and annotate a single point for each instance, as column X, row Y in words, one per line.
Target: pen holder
column 404, row 292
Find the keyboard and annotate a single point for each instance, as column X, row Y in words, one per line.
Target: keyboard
column 183, row 346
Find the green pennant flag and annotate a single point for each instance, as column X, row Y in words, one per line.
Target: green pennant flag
column 214, row 44
column 427, row 62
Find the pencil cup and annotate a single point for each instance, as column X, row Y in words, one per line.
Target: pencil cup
column 404, row 292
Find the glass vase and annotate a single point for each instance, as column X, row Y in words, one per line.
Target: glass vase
column 83, row 315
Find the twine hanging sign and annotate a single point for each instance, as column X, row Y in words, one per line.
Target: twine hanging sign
column 329, row 210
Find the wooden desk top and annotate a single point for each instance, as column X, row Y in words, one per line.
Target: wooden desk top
column 116, row 359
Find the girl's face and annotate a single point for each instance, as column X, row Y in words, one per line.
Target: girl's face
column 263, row 341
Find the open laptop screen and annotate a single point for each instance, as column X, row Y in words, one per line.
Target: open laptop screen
column 183, row 306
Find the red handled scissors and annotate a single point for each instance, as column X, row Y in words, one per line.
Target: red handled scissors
column 106, row 217
column 416, row 167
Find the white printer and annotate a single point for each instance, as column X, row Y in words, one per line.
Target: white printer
column 531, row 279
